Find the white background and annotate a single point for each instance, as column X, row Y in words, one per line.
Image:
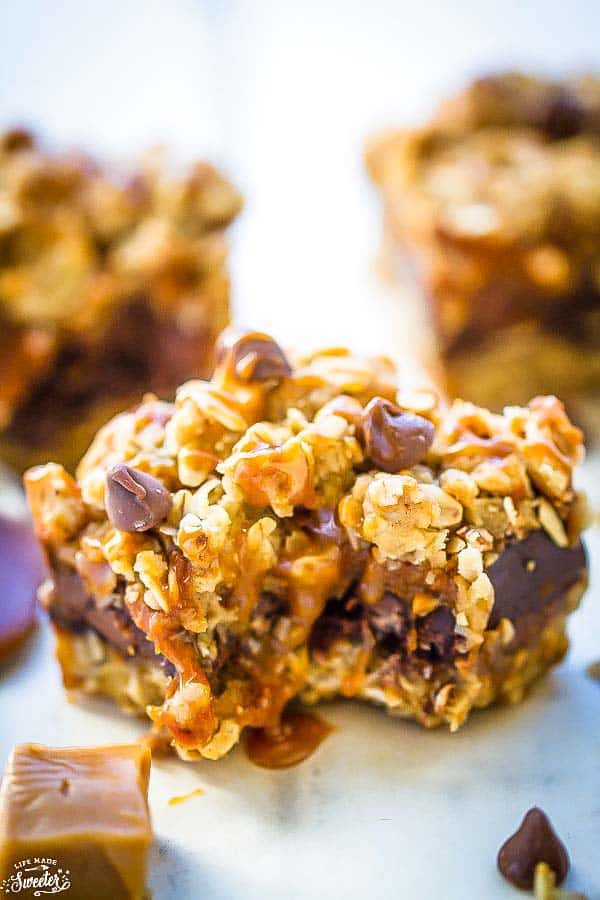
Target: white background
column 284, row 95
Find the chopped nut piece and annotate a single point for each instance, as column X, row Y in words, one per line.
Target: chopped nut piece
column 551, row 523
column 470, row 563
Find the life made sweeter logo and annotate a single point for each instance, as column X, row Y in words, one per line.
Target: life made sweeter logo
column 36, row 877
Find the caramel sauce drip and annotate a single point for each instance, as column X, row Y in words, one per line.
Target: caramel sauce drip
column 248, row 585
column 164, row 632
column 320, row 567
column 474, row 445
column 295, row 739
column 312, row 579
column 269, row 470
column 314, row 571
column 372, row 583
column 259, row 700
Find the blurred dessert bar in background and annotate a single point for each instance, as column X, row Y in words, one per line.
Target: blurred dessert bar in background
column 305, row 528
column 111, row 283
column 495, row 207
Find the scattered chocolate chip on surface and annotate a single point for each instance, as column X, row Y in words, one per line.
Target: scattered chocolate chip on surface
column 394, row 439
column 535, row 841
column 134, row 500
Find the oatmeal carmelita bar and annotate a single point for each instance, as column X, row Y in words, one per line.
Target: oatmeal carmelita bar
column 300, row 528
column 496, row 206
column 109, row 281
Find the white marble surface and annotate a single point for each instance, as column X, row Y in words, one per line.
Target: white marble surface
column 283, row 94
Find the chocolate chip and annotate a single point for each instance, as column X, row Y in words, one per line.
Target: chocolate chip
column 389, row 619
column 134, row 500
column 69, row 597
column 251, row 356
column 343, row 620
column 394, row 439
column 435, row 633
column 535, row 841
column 565, row 115
column 321, row 523
column 16, row 139
column 268, row 610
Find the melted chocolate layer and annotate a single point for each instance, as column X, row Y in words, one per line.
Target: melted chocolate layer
column 532, row 575
column 137, row 347
column 73, row 608
column 530, row 579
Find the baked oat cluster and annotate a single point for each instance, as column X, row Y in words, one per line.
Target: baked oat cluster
column 108, row 280
column 496, row 201
column 304, row 528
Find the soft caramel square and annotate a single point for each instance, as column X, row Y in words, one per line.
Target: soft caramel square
column 77, row 815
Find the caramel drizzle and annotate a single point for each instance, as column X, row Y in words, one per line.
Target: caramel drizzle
column 312, row 578
column 164, row 632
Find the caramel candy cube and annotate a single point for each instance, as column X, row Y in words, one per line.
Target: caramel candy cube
column 78, row 815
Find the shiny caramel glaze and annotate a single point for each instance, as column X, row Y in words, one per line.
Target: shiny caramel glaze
column 297, row 736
